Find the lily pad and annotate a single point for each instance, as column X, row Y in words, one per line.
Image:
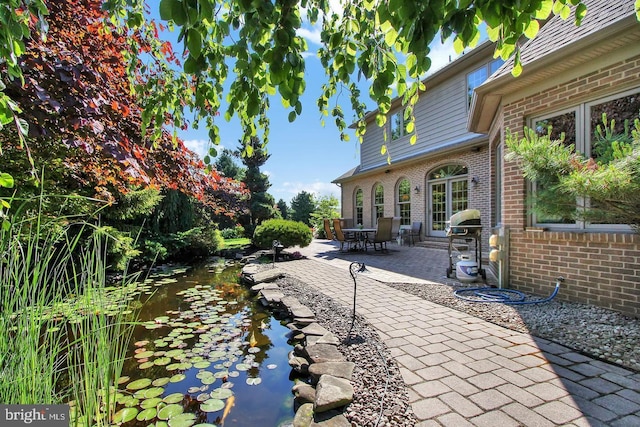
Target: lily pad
column 153, row 392
column 212, row 405
column 125, row 415
column 177, row 378
column 123, row 379
column 170, row 411
column 146, row 365
column 202, row 364
column 139, row 384
column 173, row 398
column 147, row 414
column 159, row 382
column 254, row 381
column 144, row 354
column 150, row 403
column 208, row 380
column 242, row 367
column 205, row 425
column 221, row 393
column 182, row 420
column 272, row 366
column 162, row 361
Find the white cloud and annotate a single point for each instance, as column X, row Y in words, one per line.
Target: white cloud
column 198, row 146
column 287, row 190
column 441, row 54
column 311, row 35
column 201, row 146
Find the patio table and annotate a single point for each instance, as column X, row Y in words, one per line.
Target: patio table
column 362, row 235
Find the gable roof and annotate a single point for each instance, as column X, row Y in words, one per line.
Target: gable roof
column 554, row 50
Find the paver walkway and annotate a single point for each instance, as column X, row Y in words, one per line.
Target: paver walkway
column 462, row 370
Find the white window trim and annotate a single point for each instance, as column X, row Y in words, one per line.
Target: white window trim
column 403, row 134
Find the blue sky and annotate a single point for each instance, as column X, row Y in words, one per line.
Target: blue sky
column 305, row 156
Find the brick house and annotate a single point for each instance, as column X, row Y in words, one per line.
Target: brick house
column 444, row 172
column 571, row 75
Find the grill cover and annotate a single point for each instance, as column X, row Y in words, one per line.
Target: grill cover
column 465, row 217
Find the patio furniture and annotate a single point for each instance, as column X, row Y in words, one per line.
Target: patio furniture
column 327, row 229
column 340, row 236
column 383, row 233
column 416, row 227
column 395, row 229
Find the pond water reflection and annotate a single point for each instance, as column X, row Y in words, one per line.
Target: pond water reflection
column 206, row 352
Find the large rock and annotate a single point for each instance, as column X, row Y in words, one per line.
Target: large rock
column 300, row 365
column 332, row 393
column 304, row 393
column 250, row 269
column 301, row 312
column 266, row 276
column 304, row 416
column 271, row 296
column 330, row 419
column 260, row 286
column 314, row 329
column 327, row 338
column 335, row 369
column 318, row 353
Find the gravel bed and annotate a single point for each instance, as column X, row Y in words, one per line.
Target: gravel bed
column 380, row 395
column 603, row 334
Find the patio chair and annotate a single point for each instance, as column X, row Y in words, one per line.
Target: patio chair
column 416, row 227
column 327, row 229
column 395, row 229
column 340, row 237
column 383, row 233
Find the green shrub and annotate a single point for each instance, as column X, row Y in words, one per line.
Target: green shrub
column 200, row 242
column 288, row 233
column 233, row 233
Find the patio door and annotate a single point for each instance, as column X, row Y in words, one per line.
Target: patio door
column 448, row 194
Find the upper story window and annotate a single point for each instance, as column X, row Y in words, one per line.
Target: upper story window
column 400, row 124
column 479, row 75
column 580, row 128
column 359, row 205
column 404, row 202
column 378, row 202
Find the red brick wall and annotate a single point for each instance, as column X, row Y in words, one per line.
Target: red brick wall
column 599, row 268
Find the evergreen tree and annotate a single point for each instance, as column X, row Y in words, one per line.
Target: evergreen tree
column 283, row 208
column 227, row 165
column 261, row 203
column 302, row 206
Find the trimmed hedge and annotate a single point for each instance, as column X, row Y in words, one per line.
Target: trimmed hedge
column 288, row 233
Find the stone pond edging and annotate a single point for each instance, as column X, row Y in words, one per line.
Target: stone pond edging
column 322, row 400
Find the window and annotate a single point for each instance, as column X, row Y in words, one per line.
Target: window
column 478, row 76
column 580, row 128
column 359, row 206
column 399, row 124
column 404, row 202
column 448, row 194
column 378, row 203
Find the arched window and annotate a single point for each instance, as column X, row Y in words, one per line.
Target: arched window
column 359, row 204
column 378, row 202
column 404, row 202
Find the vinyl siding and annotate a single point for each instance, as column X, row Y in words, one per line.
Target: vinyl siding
column 441, row 120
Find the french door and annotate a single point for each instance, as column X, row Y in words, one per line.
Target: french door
column 447, row 196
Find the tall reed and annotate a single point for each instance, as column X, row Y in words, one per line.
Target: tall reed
column 63, row 331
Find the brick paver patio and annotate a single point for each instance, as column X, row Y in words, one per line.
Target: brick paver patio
column 462, row 370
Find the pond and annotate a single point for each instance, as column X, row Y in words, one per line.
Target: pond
column 207, row 353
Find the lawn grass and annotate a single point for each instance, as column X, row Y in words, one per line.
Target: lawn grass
column 236, row 243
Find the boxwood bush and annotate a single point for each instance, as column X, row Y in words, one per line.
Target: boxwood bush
column 288, row 233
